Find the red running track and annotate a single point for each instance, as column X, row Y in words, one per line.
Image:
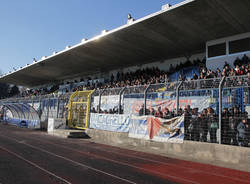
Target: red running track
column 34, row 157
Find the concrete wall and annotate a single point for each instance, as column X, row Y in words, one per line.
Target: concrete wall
column 162, row 65
column 218, row 62
column 220, row 155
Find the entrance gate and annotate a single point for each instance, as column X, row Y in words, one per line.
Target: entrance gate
column 79, row 107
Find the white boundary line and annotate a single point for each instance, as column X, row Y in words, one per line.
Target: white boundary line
column 164, row 163
column 111, row 160
column 67, row 159
column 126, row 164
column 34, row 165
column 145, row 159
column 133, row 156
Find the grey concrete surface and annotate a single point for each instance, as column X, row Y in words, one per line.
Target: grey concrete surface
column 220, row 155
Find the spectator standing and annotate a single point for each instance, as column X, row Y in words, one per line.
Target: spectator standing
column 225, row 128
column 196, row 119
column 167, row 114
column 212, row 125
column 152, row 113
column 248, row 132
column 204, row 125
column 141, row 111
column 193, row 127
column 1, row 116
column 187, row 119
column 233, row 122
column 159, row 113
column 242, row 133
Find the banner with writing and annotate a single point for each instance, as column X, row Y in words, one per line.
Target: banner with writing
column 157, row 129
column 109, row 122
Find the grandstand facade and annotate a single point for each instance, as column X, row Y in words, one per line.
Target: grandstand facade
column 189, row 60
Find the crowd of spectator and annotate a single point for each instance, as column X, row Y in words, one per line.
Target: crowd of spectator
column 139, row 77
column 153, row 76
column 38, row 92
column 235, row 126
column 241, row 67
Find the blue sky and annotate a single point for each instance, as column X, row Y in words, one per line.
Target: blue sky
column 35, row 28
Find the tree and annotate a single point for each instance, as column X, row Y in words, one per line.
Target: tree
column 4, row 88
column 14, row 91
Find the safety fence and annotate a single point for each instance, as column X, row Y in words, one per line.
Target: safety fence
column 215, row 110
column 34, row 112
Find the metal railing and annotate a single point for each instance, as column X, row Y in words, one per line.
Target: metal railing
column 171, row 98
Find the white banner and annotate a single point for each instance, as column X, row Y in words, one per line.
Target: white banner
column 109, row 122
column 157, row 129
column 133, row 105
column 107, row 102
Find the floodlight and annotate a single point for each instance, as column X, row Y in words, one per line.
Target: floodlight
column 67, row 47
column 104, row 31
column 166, row 7
column 84, row 40
column 129, row 16
column 130, row 19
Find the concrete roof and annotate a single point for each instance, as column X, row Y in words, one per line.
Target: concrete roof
column 182, row 29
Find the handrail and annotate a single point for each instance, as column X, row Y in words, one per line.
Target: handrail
column 200, row 80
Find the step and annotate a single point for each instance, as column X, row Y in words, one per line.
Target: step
column 78, row 135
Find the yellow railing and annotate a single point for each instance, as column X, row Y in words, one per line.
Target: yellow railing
column 78, row 109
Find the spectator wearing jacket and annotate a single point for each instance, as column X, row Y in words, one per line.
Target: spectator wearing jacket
column 242, row 130
column 187, row 120
column 159, row 113
column 204, row 125
column 234, row 120
column 225, row 128
column 193, row 127
column 212, row 125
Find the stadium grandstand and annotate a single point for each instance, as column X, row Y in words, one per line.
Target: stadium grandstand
column 189, row 63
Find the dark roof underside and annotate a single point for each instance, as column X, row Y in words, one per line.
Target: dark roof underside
column 163, row 35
